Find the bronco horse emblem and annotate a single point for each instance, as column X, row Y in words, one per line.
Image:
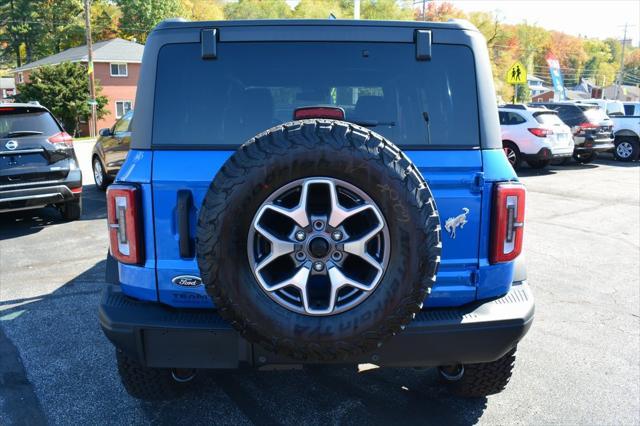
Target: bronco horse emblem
column 453, row 222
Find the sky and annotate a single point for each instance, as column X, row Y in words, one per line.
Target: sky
column 591, row 18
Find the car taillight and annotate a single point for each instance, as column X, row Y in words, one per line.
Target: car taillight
column 123, row 220
column 587, row 125
column 61, row 138
column 508, row 222
column 541, row 133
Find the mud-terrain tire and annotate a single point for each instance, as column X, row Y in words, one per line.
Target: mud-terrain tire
column 480, row 380
column 150, row 384
column 329, row 149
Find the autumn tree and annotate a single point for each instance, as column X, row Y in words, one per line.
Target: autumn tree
column 203, row 10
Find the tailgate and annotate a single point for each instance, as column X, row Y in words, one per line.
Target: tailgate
column 32, row 159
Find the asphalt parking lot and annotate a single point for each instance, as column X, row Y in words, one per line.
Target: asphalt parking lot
column 578, row 365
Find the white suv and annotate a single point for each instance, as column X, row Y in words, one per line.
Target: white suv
column 536, row 135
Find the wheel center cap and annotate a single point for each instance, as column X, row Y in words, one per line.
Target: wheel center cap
column 319, row 247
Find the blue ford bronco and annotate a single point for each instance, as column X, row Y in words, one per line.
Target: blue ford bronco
column 314, row 192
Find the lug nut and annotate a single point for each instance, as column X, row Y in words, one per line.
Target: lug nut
column 300, row 235
column 336, row 235
column 300, row 255
column 336, row 255
column 318, row 266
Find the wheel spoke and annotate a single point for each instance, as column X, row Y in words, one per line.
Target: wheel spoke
column 298, row 280
column 338, row 213
column 359, row 247
column 279, row 247
column 298, row 213
column 339, row 280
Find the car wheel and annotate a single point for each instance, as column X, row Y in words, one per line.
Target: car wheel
column 584, row 157
column 99, row 176
column 538, row 164
column 626, row 149
column 71, row 210
column 513, row 154
column 318, row 225
column 479, row 380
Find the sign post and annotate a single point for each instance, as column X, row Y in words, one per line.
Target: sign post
column 516, row 74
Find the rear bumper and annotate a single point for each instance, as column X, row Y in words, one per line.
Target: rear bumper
column 159, row 336
column 595, row 145
column 36, row 195
column 549, row 154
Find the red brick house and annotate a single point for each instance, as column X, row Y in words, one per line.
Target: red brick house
column 116, row 65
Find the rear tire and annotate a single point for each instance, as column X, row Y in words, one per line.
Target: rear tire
column 538, row 164
column 150, row 384
column 585, row 157
column 71, row 210
column 101, row 179
column 626, row 149
column 480, row 380
column 513, row 154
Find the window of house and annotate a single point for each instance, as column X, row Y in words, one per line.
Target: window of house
column 20, row 77
column 123, row 107
column 119, row 70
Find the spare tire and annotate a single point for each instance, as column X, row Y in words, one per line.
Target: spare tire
column 318, row 240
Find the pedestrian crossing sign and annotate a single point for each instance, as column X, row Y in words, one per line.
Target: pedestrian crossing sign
column 517, row 74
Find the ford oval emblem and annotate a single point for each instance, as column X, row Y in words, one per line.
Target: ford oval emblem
column 187, row 281
column 11, row 145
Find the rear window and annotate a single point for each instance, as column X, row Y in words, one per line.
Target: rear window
column 594, row 114
column 15, row 120
column 251, row 87
column 547, row 118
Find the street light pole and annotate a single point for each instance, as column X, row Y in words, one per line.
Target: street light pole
column 92, row 83
column 619, row 80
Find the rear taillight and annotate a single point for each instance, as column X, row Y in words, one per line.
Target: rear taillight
column 541, row 133
column 123, row 220
column 508, row 222
column 61, row 138
column 583, row 127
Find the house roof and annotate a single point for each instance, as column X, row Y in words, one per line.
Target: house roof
column 114, row 50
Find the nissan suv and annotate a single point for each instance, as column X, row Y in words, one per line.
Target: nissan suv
column 38, row 165
column 315, row 192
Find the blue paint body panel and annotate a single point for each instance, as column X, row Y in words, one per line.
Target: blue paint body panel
column 458, row 179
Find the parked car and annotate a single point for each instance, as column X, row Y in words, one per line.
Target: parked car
column 535, row 135
column 274, row 212
column 38, row 166
column 611, row 107
column 111, row 150
column 632, row 108
column 626, row 130
column 592, row 129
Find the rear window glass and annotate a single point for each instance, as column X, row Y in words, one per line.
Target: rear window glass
column 594, row 113
column 16, row 120
column 548, row 118
column 251, row 87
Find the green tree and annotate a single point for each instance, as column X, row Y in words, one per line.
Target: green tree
column 19, row 29
column 386, row 10
column 64, row 89
column 140, row 16
column 203, row 10
column 257, row 9
column 313, row 9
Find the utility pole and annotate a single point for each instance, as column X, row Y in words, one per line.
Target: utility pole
column 92, row 83
column 356, row 9
column 624, row 43
column 424, row 11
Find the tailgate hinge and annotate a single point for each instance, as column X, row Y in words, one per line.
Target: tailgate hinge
column 474, row 277
column 208, row 43
column 423, row 45
column 477, row 184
